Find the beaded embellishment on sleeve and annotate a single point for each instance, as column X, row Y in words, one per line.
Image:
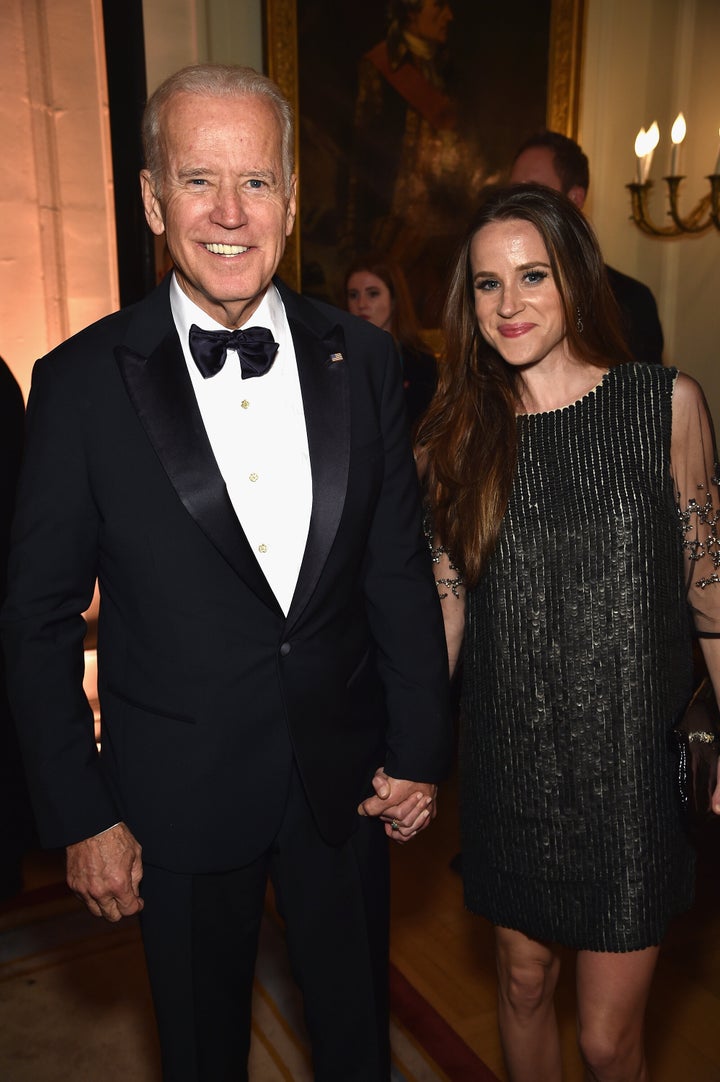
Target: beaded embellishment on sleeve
column 701, row 519
column 450, row 585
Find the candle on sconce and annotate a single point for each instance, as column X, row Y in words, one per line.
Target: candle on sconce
column 652, row 140
column 701, row 218
column 640, row 140
column 677, row 134
column 645, row 143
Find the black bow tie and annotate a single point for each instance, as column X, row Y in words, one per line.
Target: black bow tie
column 255, row 348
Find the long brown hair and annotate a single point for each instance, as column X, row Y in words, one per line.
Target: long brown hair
column 404, row 323
column 467, row 441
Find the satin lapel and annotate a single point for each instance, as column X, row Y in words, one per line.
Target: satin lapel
column 161, row 392
column 324, row 382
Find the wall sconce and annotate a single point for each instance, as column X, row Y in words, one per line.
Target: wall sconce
column 701, row 218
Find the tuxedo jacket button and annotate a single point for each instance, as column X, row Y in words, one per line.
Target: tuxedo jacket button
column 285, row 649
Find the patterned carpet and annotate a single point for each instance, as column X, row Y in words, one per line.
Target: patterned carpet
column 75, row 1004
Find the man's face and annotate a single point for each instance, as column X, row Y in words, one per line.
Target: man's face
column 536, row 165
column 223, row 203
column 431, row 22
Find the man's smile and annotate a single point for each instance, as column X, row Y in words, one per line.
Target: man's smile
column 226, row 249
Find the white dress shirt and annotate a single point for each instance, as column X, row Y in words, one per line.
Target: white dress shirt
column 256, row 429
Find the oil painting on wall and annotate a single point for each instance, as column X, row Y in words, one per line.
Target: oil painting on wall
column 406, row 110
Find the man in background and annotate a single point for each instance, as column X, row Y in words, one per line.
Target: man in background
column 556, row 161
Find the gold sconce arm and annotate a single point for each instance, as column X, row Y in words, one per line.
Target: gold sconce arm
column 700, row 219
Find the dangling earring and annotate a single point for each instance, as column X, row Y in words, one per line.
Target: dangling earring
column 578, row 321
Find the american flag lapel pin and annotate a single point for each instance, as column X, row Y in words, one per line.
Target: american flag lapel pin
column 336, row 357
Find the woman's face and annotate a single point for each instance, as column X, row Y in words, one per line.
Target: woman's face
column 517, row 304
column 369, row 298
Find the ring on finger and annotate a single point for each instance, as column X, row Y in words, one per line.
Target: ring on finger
column 395, row 825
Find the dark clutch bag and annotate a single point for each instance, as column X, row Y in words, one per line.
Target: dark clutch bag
column 698, row 741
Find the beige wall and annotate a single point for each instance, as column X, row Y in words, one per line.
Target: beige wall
column 648, row 60
column 57, row 248
column 179, row 32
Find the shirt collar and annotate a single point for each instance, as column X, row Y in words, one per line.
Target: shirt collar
column 185, row 312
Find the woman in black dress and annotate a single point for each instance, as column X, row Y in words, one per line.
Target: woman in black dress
column 573, row 496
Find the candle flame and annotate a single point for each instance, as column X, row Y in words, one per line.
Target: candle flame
column 653, row 136
column 640, row 143
column 679, row 129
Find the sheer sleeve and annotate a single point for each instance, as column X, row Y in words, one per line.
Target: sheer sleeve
column 448, row 577
column 451, row 590
column 694, row 466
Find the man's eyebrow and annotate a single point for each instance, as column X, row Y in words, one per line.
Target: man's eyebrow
column 194, row 171
column 261, row 174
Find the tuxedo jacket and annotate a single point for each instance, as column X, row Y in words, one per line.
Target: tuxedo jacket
column 639, row 317
column 208, row 693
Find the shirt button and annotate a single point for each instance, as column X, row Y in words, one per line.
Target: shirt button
column 262, row 548
column 245, row 404
column 254, row 476
column 285, row 649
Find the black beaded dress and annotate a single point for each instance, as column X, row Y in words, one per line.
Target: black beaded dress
column 577, row 662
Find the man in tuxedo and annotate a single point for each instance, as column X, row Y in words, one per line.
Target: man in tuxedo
column 557, row 161
column 271, row 663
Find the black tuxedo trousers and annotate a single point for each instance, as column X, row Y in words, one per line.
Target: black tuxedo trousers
column 200, row 934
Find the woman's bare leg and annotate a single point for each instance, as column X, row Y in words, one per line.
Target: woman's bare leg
column 612, row 993
column 527, row 976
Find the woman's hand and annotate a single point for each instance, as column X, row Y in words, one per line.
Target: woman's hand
column 405, row 807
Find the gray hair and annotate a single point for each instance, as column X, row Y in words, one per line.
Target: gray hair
column 215, row 81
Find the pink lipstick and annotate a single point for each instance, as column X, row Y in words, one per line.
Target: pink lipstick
column 515, row 330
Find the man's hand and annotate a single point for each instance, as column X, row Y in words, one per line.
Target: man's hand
column 405, row 807
column 105, row 872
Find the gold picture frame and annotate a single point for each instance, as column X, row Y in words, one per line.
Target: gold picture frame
column 564, row 66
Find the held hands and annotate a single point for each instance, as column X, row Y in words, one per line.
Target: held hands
column 105, row 872
column 716, row 794
column 410, row 805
